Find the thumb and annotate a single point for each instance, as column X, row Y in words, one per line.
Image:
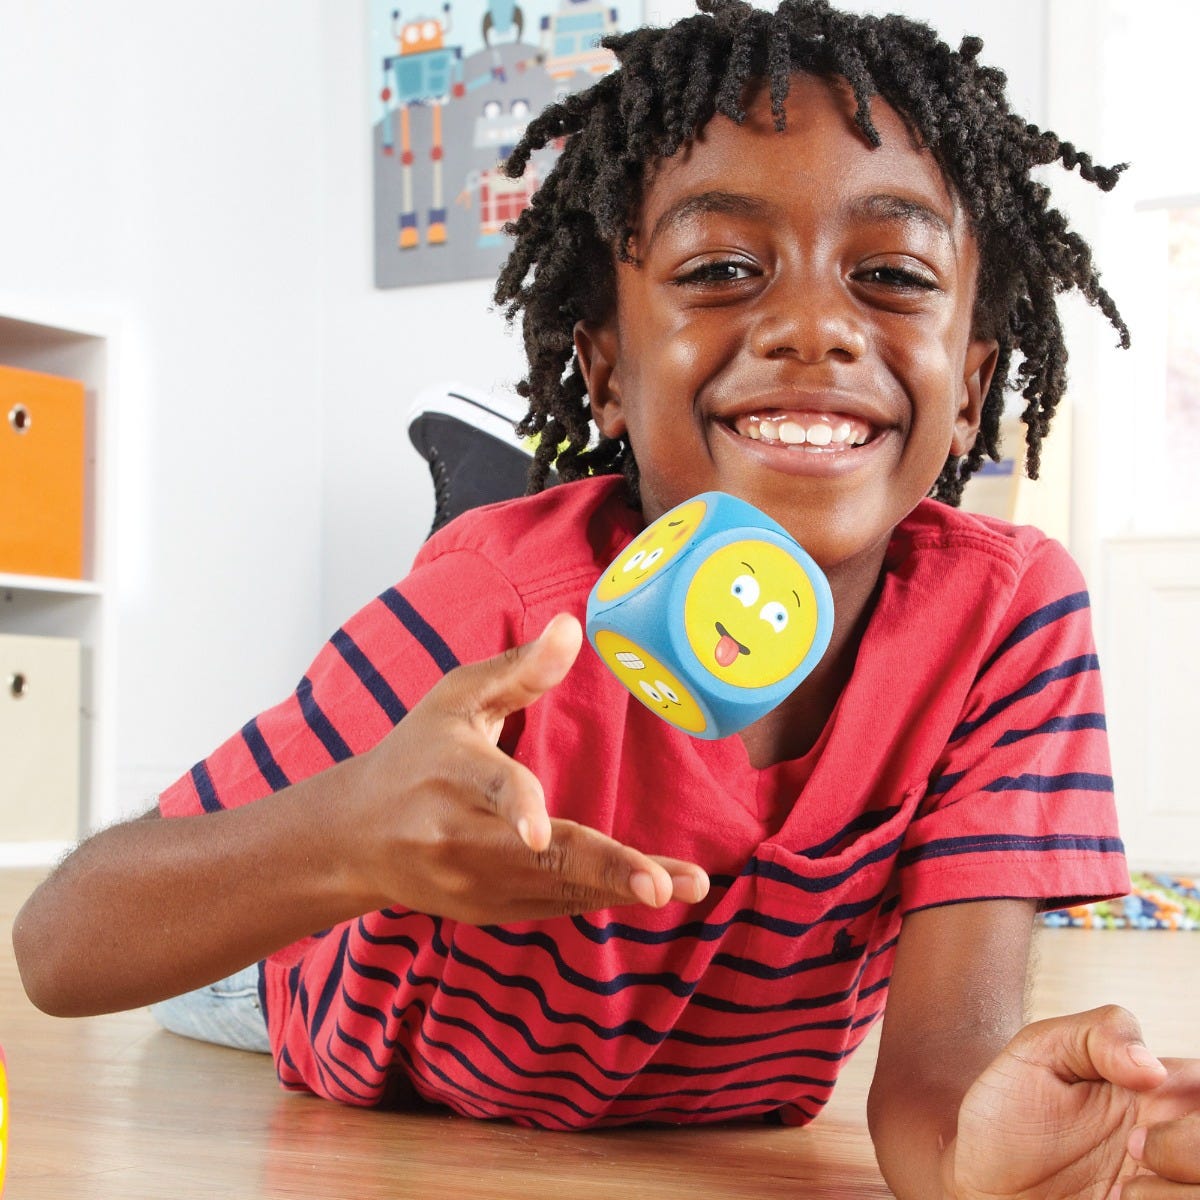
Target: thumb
column 513, row 680
column 1103, row 1044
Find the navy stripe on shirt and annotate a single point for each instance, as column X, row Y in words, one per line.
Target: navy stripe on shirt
column 1046, row 615
column 268, row 768
column 425, row 633
column 368, row 676
column 202, row 781
column 319, row 723
column 989, row 843
column 1072, row 781
column 1054, row 725
column 1073, row 666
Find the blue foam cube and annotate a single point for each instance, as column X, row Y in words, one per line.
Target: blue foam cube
column 711, row 615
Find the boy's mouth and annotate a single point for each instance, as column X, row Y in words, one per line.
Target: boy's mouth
column 809, row 431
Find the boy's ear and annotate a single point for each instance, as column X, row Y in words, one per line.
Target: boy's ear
column 596, row 346
column 977, row 379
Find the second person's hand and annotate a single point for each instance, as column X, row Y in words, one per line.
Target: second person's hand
column 455, row 827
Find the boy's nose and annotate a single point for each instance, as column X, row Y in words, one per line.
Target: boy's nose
column 809, row 321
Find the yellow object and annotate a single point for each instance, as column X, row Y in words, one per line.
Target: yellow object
column 650, row 551
column 3, row 1121
column 750, row 614
column 650, row 682
column 41, row 474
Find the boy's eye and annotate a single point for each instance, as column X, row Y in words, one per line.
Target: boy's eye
column 725, row 270
column 898, row 277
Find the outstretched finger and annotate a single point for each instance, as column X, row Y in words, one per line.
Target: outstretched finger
column 1170, row 1149
column 587, row 870
column 689, row 882
column 514, row 793
column 486, row 692
column 1105, row 1043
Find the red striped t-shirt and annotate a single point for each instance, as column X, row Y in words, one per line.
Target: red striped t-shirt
column 966, row 758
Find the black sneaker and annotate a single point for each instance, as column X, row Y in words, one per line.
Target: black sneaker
column 470, row 442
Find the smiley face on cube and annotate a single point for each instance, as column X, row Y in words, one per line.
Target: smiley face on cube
column 651, row 551
column 711, row 615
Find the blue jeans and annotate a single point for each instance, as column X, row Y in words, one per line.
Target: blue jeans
column 227, row 1012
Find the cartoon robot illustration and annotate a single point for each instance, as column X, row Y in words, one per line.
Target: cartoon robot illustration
column 424, row 72
column 501, row 199
column 502, row 17
column 571, row 39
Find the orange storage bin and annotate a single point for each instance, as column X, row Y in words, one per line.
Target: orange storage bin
column 41, row 474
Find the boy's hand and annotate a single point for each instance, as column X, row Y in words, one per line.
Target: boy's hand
column 460, row 830
column 1076, row 1108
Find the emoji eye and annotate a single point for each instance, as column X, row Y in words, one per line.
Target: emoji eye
column 650, row 691
column 745, row 588
column 635, row 561
column 666, row 691
column 653, row 557
column 775, row 615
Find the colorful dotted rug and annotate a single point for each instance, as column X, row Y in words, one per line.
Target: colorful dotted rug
column 1156, row 902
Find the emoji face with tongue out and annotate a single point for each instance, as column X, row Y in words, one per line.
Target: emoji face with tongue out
column 750, row 614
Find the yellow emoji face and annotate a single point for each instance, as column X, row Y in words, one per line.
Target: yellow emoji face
column 750, row 614
column 650, row 682
column 651, row 550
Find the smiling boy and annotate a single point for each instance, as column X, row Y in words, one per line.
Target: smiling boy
column 796, row 279
column 790, row 256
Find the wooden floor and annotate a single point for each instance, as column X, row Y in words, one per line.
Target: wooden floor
column 112, row 1108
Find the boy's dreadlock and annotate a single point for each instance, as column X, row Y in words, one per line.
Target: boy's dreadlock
column 672, row 81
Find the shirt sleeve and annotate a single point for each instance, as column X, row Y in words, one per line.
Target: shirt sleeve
column 1021, row 801
column 454, row 607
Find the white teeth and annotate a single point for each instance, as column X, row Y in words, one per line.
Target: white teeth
column 803, row 430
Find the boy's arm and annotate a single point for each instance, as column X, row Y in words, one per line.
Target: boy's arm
column 966, row 1106
column 956, row 999
column 434, row 818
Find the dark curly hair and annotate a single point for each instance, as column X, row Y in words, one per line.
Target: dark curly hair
column 671, row 82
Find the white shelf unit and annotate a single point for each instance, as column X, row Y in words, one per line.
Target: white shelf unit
column 41, row 339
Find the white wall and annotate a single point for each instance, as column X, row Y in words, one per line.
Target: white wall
column 381, row 348
column 163, row 170
column 202, row 176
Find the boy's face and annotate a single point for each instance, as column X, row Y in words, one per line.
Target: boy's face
column 796, row 326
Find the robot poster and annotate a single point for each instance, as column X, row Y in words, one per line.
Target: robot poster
column 455, row 85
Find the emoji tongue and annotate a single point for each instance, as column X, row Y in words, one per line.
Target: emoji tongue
column 727, row 651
